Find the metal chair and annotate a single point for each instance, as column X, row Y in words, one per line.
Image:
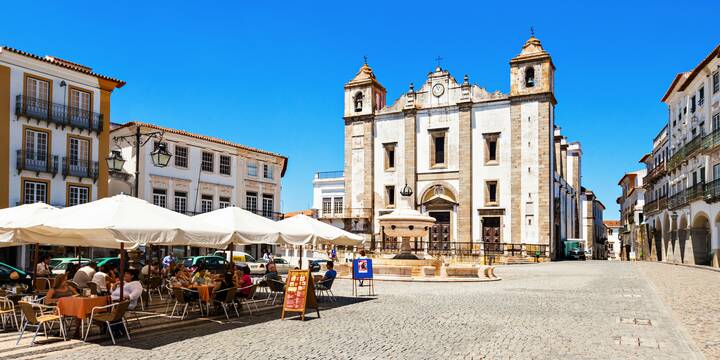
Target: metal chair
column 181, row 301
column 32, row 320
column 7, row 309
column 117, row 316
column 42, row 284
column 228, row 301
column 324, row 288
column 156, row 284
column 250, row 299
column 277, row 288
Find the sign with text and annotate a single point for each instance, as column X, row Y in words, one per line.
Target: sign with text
column 362, row 269
column 299, row 293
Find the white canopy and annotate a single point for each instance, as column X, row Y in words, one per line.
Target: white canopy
column 301, row 229
column 121, row 218
column 248, row 227
column 22, row 216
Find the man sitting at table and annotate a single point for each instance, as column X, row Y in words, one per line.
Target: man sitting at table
column 132, row 289
column 101, row 279
column 85, row 274
column 328, row 278
column 272, row 278
column 43, row 267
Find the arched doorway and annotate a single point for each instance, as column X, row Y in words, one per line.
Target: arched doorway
column 665, row 237
column 700, row 239
column 682, row 233
column 657, row 244
column 439, row 202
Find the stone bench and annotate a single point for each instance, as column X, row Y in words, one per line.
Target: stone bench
column 462, row 271
column 489, row 272
column 428, row 271
column 405, row 271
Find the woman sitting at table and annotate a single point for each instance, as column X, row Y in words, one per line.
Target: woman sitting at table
column 226, row 282
column 59, row 290
column 243, row 281
column 181, row 277
column 132, row 289
column 202, row 276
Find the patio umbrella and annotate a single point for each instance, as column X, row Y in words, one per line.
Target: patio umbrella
column 248, row 227
column 19, row 217
column 302, row 229
column 121, row 218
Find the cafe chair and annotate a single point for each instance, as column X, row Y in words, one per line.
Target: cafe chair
column 156, row 284
column 277, row 288
column 324, row 288
column 228, row 301
column 32, row 320
column 181, row 302
column 7, row 313
column 100, row 317
column 42, row 284
column 250, row 300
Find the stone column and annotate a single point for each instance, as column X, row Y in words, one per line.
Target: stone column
column 464, row 209
column 410, row 154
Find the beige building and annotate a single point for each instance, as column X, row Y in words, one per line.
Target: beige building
column 54, row 125
column 632, row 203
column 491, row 168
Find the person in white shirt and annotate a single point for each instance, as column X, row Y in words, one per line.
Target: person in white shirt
column 43, row 267
column 85, row 274
column 100, row 279
column 132, row 289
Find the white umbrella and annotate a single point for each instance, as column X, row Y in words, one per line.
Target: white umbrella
column 248, row 227
column 301, row 229
column 19, row 217
column 121, row 218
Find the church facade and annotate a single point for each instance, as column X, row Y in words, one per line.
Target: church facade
column 492, row 168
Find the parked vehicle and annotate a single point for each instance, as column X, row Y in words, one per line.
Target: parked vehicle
column 214, row 264
column 282, row 265
column 241, row 258
column 317, row 265
column 6, row 277
column 63, row 265
column 54, row 262
column 577, row 254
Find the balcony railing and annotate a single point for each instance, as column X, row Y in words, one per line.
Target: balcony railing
column 662, row 203
column 695, row 192
column 655, row 173
column 80, row 168
column 37, row 162
column 650, row 206
column 58, row 114
column 684, row 152
column 329, row 174
column 350, row 213
column 677, row 200
column 712, row 191
column 712, row 140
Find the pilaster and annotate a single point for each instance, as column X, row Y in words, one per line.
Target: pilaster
column 5, row 136
column 464, row 209
column 410, row 153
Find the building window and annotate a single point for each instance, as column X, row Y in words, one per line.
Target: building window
column 181, row 202
column 716, row 121
column 225, row 164
column 268, row 205
column 78, row 195
column 358, row 101
column 208, row 161
column 267, row 171
column 716, row 82
column 206, row 203
column 223, row 202
column 390, row 196
column 491, row 147
column 438, row 148
column 338, row 205
column 79, row 109
column 37, row 94
column 701, row 96
column 389, row 156
column 36, row 149
column 491, row 193
column 35, row 191
column 79, row 159
column 252, row 169
column 251, row 200
column 692, row 104
column 529, row 76
column 160, row 197
column 327, row 205
column 181, row 156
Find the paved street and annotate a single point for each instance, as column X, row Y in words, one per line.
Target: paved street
column 590, row 310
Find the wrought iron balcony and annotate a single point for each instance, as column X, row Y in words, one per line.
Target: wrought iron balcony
column 695, row 192
column 650, row 207
column 37, row 162
column 655, row 173
column 59, row 114
column 712, row 140
column 677, row 200
column 712, row 191
column 684, row 152
column 80, row 168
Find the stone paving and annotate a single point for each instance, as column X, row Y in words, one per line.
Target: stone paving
column 570, row 310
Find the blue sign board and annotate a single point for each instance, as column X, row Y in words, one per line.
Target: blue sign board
column 362, row 269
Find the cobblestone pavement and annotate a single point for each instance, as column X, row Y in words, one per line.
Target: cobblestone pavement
column 570, row 310
column 694, row 296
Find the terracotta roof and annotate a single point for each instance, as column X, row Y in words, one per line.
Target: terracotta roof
column 630, row 176
column 203, row 137
column 308, row 212
column 612, row 223
column 713, row 54
column 675, row 81
column 65, row 64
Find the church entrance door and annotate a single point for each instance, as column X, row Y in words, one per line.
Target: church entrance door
column 440, row 232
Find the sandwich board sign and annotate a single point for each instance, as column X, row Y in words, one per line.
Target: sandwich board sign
column 299, row 293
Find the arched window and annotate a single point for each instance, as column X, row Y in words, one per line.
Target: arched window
column 358, row 100
column 529, row 76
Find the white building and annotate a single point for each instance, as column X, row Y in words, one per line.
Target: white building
column 54, row 125
column 632, row 203
column 613, row 229
column 490, row 167
column 204, row 173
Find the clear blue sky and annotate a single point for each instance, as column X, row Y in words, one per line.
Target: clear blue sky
column 271, row 75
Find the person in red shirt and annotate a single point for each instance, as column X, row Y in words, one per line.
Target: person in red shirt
column 244, row 282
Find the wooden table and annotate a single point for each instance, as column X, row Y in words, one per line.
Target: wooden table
column 79, row 307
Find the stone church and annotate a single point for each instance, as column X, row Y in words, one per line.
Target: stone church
column 490, row 167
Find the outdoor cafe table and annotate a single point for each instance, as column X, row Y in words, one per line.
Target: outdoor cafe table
column 204, row 292
column 79, row 307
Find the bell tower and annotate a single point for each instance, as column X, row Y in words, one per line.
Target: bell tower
column 363, row 94
column 532, row 104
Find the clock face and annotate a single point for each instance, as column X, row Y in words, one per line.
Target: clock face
column 438, row 90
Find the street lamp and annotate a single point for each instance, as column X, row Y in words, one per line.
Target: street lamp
column 160, row 156
column 115, row 161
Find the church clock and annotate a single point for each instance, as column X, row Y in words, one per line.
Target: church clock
column 438, row 90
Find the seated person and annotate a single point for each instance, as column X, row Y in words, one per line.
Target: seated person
column 202, row 276
column 244, row 282
column 132, row 289
column 181, row 276
column 85, row 274
column 59, row 290
column 274, row 281
column 220, row 290
column 43, row 268
column 101, row 280
column 328, row 278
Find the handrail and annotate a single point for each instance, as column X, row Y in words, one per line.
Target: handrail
column 58, row 113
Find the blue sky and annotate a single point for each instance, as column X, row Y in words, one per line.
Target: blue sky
column 271, row 74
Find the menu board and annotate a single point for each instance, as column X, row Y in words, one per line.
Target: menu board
column 299, row 293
